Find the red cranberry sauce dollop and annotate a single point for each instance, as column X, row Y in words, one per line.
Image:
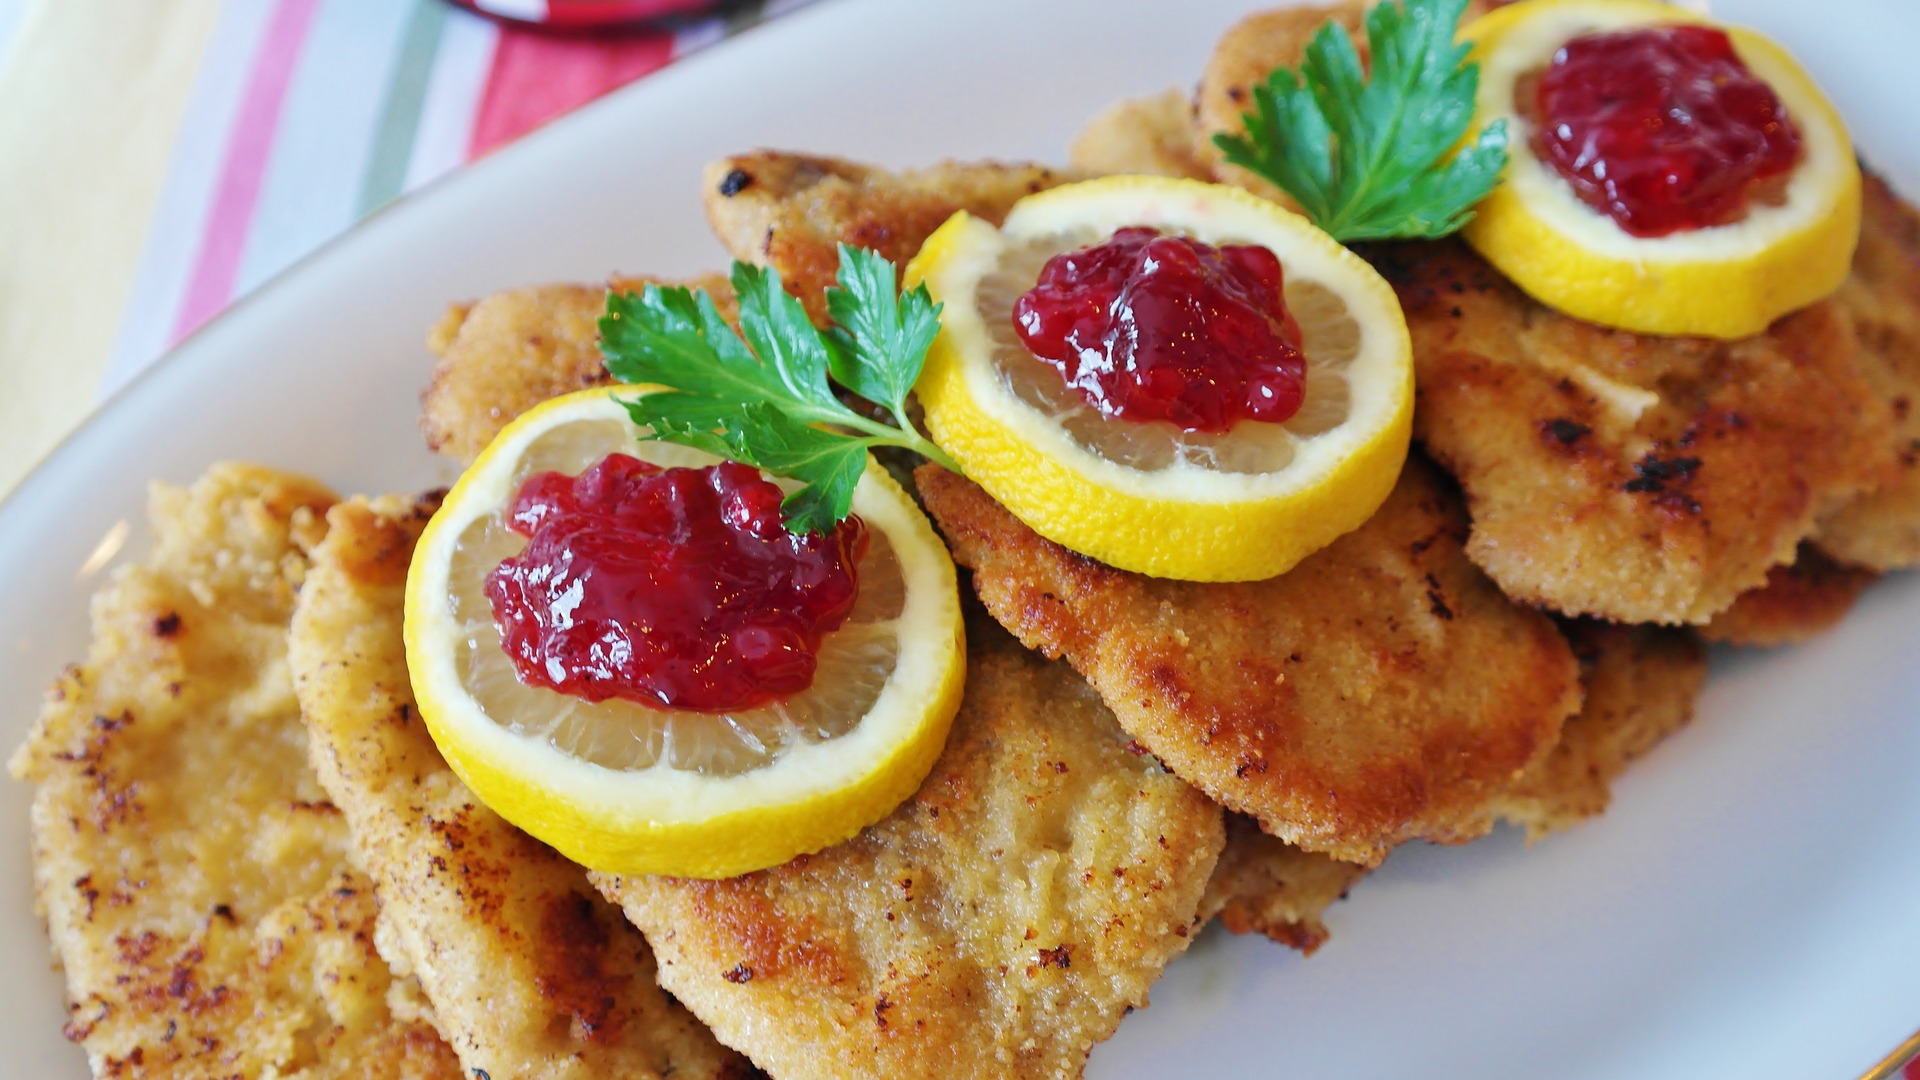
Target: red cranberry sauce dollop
column 1662, row 128
column 1152, row 327
column 673, row 588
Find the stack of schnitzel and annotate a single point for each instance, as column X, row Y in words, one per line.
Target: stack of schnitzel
column 254, row 861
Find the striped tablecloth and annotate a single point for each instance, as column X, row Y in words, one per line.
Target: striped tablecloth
column 161, row 158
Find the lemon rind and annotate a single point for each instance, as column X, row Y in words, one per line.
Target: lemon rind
column 1728, row 281
column 662, row 820
column 1203, row 525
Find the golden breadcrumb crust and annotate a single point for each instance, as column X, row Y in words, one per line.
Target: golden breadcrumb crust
column 195, row 880
column 998, row 924
column 1882, row 299
column 1641, row 684
column 791, row 211
column 1629, row 477
column 1624, row 476
column 500, row 356
column 1146, row 135
column 1800, row 599
column 530, row 973
column 1240, row 61
column 1380, row 691
column 1264, row 885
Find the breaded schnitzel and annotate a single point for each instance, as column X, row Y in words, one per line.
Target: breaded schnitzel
column 1108, row 937
column 1264, row 885
column 790, row 211
column 1799, row 600
column 1629, row 477
column 1152, row 135
column 999, row 923
column 1633, row 478
column 1381, row 691
column 194, row 878
column 1641, row 683
column 1882, row 298
column 500, row 356
column 530, row 973
column 1241, row 60
column 510, row 351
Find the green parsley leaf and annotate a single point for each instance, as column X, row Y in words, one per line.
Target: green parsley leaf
column 1364, row 154
column 878, row 322
column 763, row 396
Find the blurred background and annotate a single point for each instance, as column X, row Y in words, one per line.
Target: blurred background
column 160, row 159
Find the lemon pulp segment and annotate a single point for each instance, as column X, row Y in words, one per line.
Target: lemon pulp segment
column 622, row 787
column 1244, row 504
column 1724, row 281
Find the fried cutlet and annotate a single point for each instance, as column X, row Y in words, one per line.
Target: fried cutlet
column 1629, row 477
column 1243, row 58
column 1264, row 885
column 1799, row 600
column 500, row 356
column 1240, row 61
column 790, row 211
column 1641, row 684
column 998, row 924
column 1624, row 476
column 530, row 972
column 1380, row 691
column 1151, row 135
column 195, row 880
column 1882, row 299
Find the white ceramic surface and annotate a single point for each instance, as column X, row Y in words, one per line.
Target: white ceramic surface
column 1745, row 910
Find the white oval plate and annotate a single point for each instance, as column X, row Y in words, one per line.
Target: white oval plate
column 1745, row 910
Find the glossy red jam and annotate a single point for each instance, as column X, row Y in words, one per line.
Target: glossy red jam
column 1152, row 327
column 1662, row 128
column 675, row 588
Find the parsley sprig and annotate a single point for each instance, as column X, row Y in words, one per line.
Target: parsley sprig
column 762, row 396
column 1363, row 154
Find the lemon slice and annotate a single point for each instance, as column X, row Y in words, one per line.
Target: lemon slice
column 624, row 788
column 1149, row 497
column 1725, row 281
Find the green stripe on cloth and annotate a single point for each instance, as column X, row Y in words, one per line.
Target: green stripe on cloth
column 386, row 174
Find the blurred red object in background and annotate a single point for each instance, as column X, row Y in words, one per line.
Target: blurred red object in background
column 588, row 14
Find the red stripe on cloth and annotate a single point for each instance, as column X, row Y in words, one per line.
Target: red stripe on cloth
column 536, row 77
column 585, row 14
column 249, row 145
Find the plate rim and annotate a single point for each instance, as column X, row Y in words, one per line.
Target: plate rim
column 532, row 143
column 169, row 366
